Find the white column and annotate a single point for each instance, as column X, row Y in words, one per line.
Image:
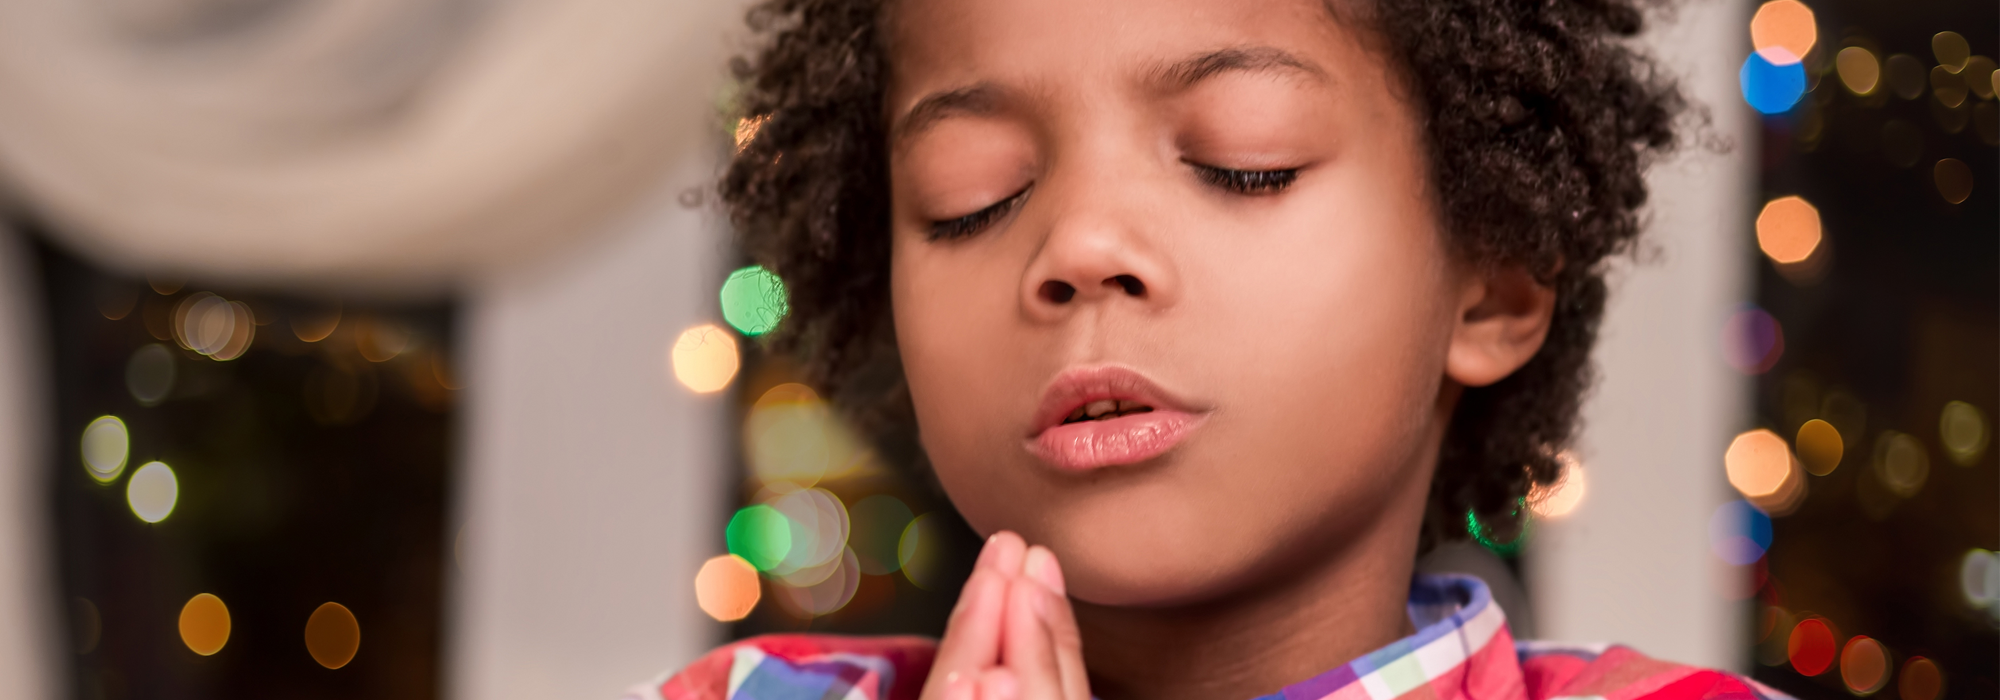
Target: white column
column 592, row 484
column 1632, row 564
column 31, row 640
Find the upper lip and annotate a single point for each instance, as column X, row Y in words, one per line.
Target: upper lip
column 1078, row 386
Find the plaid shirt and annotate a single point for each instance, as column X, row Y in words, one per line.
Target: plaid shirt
column 1461, row 651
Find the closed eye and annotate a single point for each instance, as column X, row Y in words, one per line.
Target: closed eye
column 975, row 222
column 1248, row 182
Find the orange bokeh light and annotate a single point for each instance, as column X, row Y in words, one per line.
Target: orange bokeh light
column 1864, row 665
column 1783, row 31
column 1758, row 463
column 726, row 588
column 704, row 358
column 1788, row 229
column 1921, row 679
column 1561, row 498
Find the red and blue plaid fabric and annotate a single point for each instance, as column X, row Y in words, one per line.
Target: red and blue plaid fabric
column 1461, row 651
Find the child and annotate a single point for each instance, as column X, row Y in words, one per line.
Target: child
column 1213, row 314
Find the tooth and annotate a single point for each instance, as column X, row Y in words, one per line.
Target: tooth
column 1075, row 415
column 1100, row 407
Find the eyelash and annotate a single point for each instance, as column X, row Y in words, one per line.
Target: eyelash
column 973, row 223
column 1249, row 182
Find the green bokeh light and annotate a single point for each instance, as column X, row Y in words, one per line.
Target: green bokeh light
column 753, row 300
column 761, row 535
column 1483, row 535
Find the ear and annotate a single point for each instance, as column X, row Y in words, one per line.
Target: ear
column 1503, row 317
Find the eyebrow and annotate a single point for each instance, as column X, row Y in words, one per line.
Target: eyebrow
column 975, row 100
column 1250, row 59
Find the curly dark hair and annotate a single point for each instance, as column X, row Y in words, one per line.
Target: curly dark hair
column 1540, row 120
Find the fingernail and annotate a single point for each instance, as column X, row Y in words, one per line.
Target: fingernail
column 986, row 553
column 1043, row 568
column 956, row 687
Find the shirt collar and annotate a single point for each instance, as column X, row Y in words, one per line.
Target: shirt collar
column 1457, row 627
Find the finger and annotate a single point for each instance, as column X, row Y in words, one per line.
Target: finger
column 972, row 635
column 958, row 686
column 1026, row 646
column 1003, row 553
column 999, row 684
column 1041, row 566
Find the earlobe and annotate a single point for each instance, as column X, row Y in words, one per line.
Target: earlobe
column 1503, row 318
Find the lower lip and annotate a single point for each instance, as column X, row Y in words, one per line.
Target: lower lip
column 1131, row 439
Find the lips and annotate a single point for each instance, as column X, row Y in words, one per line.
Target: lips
column 1094, row 417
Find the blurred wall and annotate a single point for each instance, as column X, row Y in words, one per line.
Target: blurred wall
column 1632, row 563
column 592, row 485
column 31, row 642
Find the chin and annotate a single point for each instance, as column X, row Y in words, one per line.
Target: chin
column 1127, row 550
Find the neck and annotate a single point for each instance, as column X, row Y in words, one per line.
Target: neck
column 1248, row 643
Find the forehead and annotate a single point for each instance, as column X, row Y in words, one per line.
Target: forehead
column 1053, row 45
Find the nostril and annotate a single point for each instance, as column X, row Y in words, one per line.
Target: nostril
column 1131, row 284
column 1057, row 291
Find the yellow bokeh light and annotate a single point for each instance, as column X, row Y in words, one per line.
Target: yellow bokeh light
column 1953, row 178
column 315, row 327
column 704, row 358
column 106, row 445
column 1788, row 229
column 1554, row 501
column 152, row 491
column 1901, row 462
column 333, row 635
column 213, row 326
column 1783, row 31
column 1948, row 87
column 205, row 624
column 1758, row 463
column 1962, row 429
column 1819, row 447
column 726, row 588
column 1951, row 50
column 1979, row 76
column 1859, row 70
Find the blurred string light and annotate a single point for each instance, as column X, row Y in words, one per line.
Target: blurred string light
column 1921, row 679
column 792, row 439
column 106, row 446
column 1819, row 447
column 1864, row 665
column 1557, row 500
column 704, row 358
column 1951, row 50
column 1901, row 462
column 1962, row 430
column 1859, row 70
column 1953, row 178
column 1739, row 533
column 760, row 535
column 204, row 624
column 753, row 300
column 876, row 525
column 214, row 326
column 920, row 552
column 1811, row 647
column 1771, row 88
column 726, row 588
column 333, row 636
column 149, row 375
column 1783, row 31
column 1752, row 341
column 1788, row 229
column 152, row 491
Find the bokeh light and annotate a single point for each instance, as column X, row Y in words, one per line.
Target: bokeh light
column 829, row 594
column 106, row 446
column 1979, row 77
column 1950, row 50
column 313, row 327
column 792, row 439
column 1962, row 431
column 1758, row 462
column 204, row 624
column 333, row 636
column 1864, row 665
column 1811, row 647
column 1859, row 70
column 1905, row 75
column 1771, row 88
column 818, row 526
column 1739, row 533
column 760, row 535
column 1752, row 341
column 213, row 326
column 1979, row 578
column 876, row 525
column 920, row 551
column 726, row 588
column 1921, row 679
column 704, row 358
column 753, row 300
column 1775, row 635
column 1788, row 229
column 1819, row 447
column 150, row 374
column 1783, row 31
column 380, row 340
column 1953, row 178
column 1557, row 500
column 1950, row 90
column 1901, row 462
column 152, row 491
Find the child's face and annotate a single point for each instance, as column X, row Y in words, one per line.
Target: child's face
column 1293, row 336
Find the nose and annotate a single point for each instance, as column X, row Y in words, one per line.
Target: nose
column 1096, row 257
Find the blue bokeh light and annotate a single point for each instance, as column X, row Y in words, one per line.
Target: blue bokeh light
column 1739, row 533
column 1769, row 88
